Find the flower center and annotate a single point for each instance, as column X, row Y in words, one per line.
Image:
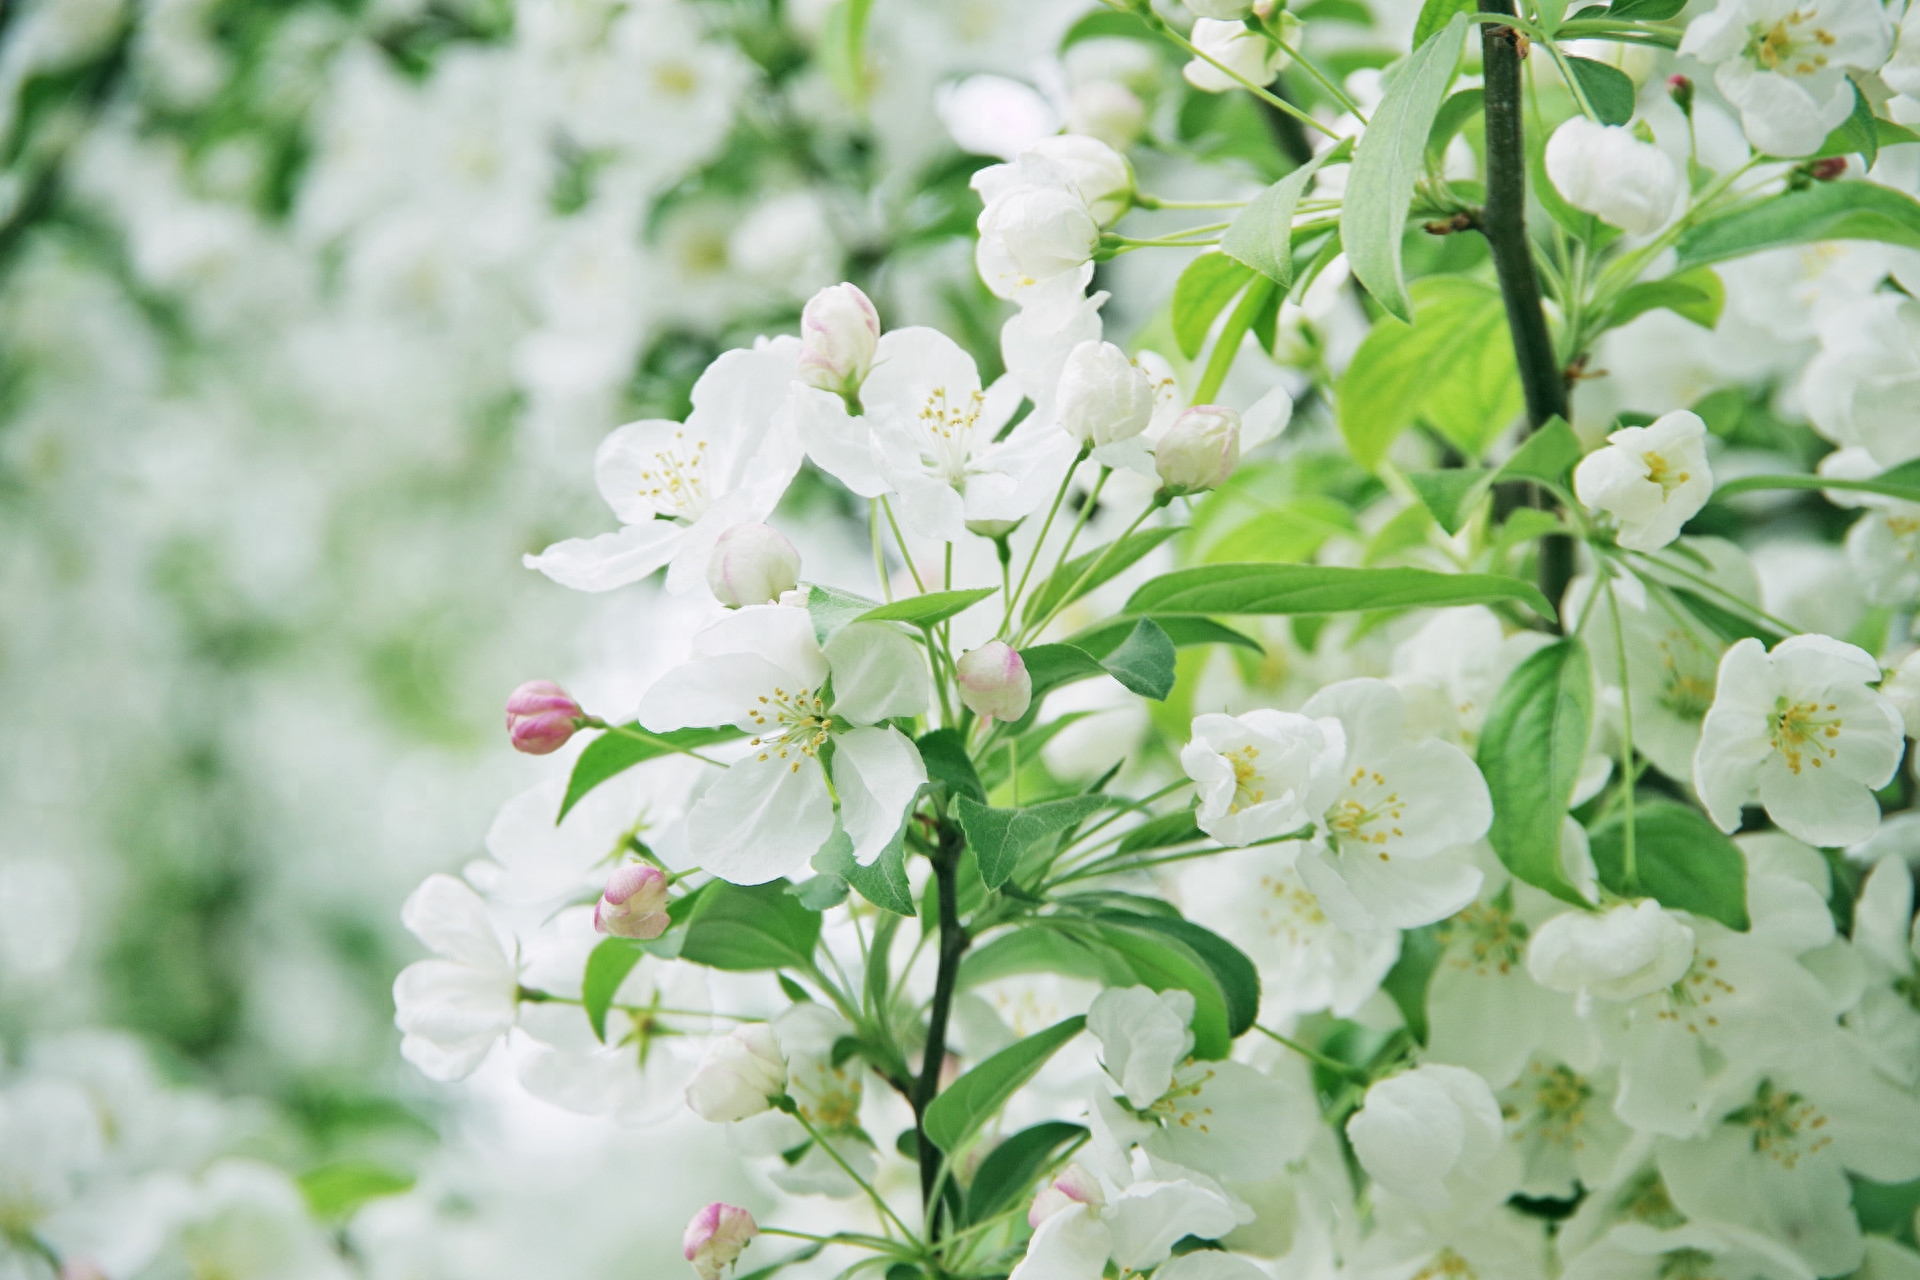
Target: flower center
column 1689, row 1001
column 1661, row 472
column 1688, row 1264
column 1446, row 1265
column 791, row 723
column 675, row 79
column 1785, row 1125
column 1645, row 1199
column 1559, row 1097
column 1800, row 732
column 1489, row 938
column 1179, row 1106
column 1294, row 910
column 946, row 433
column 1353, row 814
column 676, row 484
column 1789, row 46
column 1248, row 788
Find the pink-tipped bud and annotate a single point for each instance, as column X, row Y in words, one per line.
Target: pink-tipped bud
column 994, row 682
column 635, row 903
column 1829, row 169
column 1074, row 1186
column 838, row 330
column 752, row 564
column 743, row 1073
column 541, row 716
column 1200, row 449
column 716, row 1237
column 1680, row 89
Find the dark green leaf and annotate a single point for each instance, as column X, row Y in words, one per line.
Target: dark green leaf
column 1407, row 982
column 1549, row 455
column 1388, row 161
column 334, row 1191
column 1310, row 588
column 832, row 609
column 1203, row 291
column 944, row 753
column 1608, row 89
column 976, row 1097
column 1645, row 10
column 1450, row 494
column 1682, row 860
column 1532, row 748
column 924, row 611
column 883, row 882
column 1725, row 623
column 1695, row 295
column 1144, row 661
column 1000, row 836
column 1823, row 211
column 608, row 965
column 1233, row 972
column 1008, row 1172
column 1261, row 236
column 1165, row 963
column 1902, row 482
column 1454, row 114
column 1864, row 134
column 742, row 928
column 1064, row 586
column 614, row 753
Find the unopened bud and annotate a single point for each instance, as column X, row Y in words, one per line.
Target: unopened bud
column 741, row 1076
column 541, row 716
column 1103, row 396
column 634, row 904
column 1680, row 89
column 994, row 683
column 716, row 1237
column 752, row 564
column 838, row 330
column 1074, row 1186
column 1200, row 449
column 1829, row 169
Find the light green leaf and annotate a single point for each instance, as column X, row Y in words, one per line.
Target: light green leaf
column 926, row 610
column 1455, row 369
column 334, row 1191
column 1548, row 455
column 1695, row 295
column 1435, row 15
column 1450, row 494
column 1063, row 586
column 1163, row 832
column 1901, row 482
column 1387, row 163
column 1007, row 1174
column 1646, row 10
column 1290, row 531
column 883, row 882
column 1824, row 211
column 842, row 48
column 831, row 609
column 1455, row 112
column 741, row 928
column 1532, row 748
column 1203, row 291
column 1261, row 236
column 614, row 753
column 968, row 1103
column 944, row 753
column 1682, row 860
column 1312, row 588
column 1000, row 836
column 608, row 965
column 1608, row 89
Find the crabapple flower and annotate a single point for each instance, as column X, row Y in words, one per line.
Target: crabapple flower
column 765, row 672
column 1653, row 479
column 993, row 681
column 541, row 717
column 1883, row 549
column 1432, row 1136
column 1246, row 56
column 743, row 1073
column 1134, row 1223
column 1620, row 954
column 1085, row 166
column 1044, row 211
column 452, row 1009
column 1074, row 1186
column 1199, row 451
column 1859, row 388
column 716, row 1237
column 634, row 904
column 752, row 564
column 1104, row 401
column 1606, row 171
column 1902, row 689
column 1783, row 64
column 839, row 330
column 676, row 487
column 1799, row 730
column 1261, row 774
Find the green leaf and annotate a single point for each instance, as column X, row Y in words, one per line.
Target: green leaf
column 1901, row 482
column 1000, row 836
column 1144, row 661
column 1454, row 114
column 1450, row 494
column 1233, row 972
column 1455, row 369
column 1682, row 860
column 1184, row 630
column 1166, row 963
column 1646, row 10
column 976, row 1097
column 741, row 928
column 1008, row 1172
column 1261, row 236
column 1203, row 291
column 883, row 882
column 926, row 610
column 944, row 752
column 608, row 965
column 1388, row 161
column 1435, row 15
column 1063, row 586
column 1292, row 530
column 1824, row 211
column 842, row 48
column 334, row 1191
column 1407, row 982
column 820, row 893
column 832, row 609
column 1608, row 89
column 615, row 753
column 1312, row 588
column 1532, row 748
column 1695, row 295
column 1725, row 623
column 1548, row 455
column 1863, row 134
column 1163, row 832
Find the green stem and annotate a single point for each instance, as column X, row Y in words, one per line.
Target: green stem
column 900, row 540
column 792, row 1108
column 1227, row 346
column 953, row 945
column 651, row 739
column 1071, row 593
column 1046, row 526
column 1630, row 867
column 1145, row 201
column 1313, row 1055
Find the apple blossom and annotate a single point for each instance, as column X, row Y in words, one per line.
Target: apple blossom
column 634, row 904
column 993, row 681
column 743, row 1073
column 1245, row 56
column 839, row 331
column 1783, row 64
column 1261, row 774
column 1104, row 399
column 1620, row 954
column 1606, row 171
column 1199, row 451
column 752, row 564
column 1653, row 479
column 1431, row 1136
column 454, row 1008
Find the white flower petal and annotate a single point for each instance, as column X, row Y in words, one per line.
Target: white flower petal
column 877, row 772
column 762, row 819
column 611, row 559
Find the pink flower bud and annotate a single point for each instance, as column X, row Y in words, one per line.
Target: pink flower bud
column 1680, row 89
column 716, row 1237
column 1074, row 1186
column 635, row 903
column 838, row 330
column 752, row 564
column 541, row 716
column 994, row 682
column 1200, row 449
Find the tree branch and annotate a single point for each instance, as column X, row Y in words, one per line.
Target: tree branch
column 953, row 944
